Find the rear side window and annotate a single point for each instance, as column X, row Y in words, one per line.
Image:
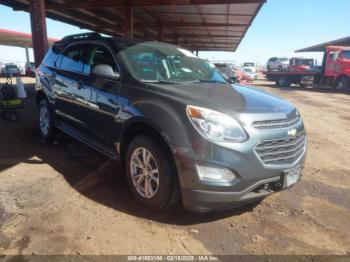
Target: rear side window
column 72, row 59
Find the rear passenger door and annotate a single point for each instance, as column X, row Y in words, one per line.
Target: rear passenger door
column 68, row 75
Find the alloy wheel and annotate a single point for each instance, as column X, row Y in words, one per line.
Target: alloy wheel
column 44, row 119
column 144, row 172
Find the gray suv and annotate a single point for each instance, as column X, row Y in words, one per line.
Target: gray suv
column 178, row 128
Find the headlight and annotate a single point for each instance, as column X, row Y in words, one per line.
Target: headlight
column 215, row 126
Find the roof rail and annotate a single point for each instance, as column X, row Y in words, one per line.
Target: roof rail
column 81, row 36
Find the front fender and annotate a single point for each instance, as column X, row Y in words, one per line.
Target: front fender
column 169, row 120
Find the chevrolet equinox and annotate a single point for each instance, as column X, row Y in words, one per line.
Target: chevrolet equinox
column 177, row 126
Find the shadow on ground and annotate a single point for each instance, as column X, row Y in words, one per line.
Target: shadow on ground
column 87, row 171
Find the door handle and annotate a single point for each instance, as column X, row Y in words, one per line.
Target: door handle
column 80, row 85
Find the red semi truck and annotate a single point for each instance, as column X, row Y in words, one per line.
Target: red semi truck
column 335, row 70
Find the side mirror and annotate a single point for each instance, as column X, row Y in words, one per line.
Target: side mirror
column 104, row 71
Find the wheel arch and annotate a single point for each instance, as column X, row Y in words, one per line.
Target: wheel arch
column 40, row 95
column 139, row 126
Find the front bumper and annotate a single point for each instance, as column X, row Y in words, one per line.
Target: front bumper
column 255, row 180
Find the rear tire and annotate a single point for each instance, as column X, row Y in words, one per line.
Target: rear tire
column 151, row 174
column 342, row 82
column 284, row 81
column 46, row 126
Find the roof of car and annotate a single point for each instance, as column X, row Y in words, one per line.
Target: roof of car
column 118, row 42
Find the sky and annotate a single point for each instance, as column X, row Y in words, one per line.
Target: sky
column 281, row 27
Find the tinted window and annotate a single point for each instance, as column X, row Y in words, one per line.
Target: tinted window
column 99, row 55
column 72, row 59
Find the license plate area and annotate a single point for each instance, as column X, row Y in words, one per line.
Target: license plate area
column 291, row 176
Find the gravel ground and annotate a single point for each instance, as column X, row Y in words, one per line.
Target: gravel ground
column 68, row 199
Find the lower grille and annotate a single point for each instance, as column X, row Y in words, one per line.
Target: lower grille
column 281, row 151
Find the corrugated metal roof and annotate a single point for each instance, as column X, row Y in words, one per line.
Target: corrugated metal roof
column 218, row 25
column 322, row 47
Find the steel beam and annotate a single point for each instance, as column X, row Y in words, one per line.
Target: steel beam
column 160, row 34
column 129, row 22
column 141, row 3
column 39, row 32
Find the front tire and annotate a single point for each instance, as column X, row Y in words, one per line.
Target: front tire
column 151, row 174
column 46, row 126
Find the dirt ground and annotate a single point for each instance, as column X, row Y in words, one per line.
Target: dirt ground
column 68, row 199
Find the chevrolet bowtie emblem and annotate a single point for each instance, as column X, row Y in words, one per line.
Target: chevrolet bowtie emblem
column 292, row 132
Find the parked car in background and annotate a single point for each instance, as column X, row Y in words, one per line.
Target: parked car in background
column 10, row 70
column 251, row 67
column 233, row 73
column 179, row 129
column 226, row 70
column 278, row 63
column 253, row 75
column 30, row 69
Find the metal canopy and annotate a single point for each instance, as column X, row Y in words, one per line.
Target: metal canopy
column 322, row 47
column 18, row 39
column 218, row 25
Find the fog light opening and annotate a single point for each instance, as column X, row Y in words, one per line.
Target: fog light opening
column 215, row 174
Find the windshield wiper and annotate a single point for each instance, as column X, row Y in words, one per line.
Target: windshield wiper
column 166, row 82
column 208, row 81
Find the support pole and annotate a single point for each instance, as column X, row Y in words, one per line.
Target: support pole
column 27, row 55
column 39, row 32
column 129, row 22
column 160, row 34
column 197, row 52
column 176, row 40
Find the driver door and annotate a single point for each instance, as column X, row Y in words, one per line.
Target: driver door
column 99, row 97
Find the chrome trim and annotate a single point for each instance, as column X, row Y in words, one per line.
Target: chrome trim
column 277, row 124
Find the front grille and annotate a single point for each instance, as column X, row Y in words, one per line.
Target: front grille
column 281, row 151
column 277, row 124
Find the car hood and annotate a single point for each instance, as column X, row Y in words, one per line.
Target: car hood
column 233, row 100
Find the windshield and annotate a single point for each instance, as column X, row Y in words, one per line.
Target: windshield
column 306, row 62
column 151, row 62
column 248, row 64
column 346, row 55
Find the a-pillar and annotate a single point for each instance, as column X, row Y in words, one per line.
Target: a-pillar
column 39, row 33
column 129, row 22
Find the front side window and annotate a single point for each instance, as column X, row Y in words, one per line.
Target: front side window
column 98, row 55
column 346, row 55
column 151, row 62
